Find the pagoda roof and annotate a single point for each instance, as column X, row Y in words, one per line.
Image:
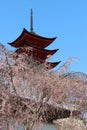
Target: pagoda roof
column 31, row 38
column 37, row 53
column 52, row 64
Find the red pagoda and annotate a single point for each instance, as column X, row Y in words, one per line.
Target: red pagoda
column 37, row 43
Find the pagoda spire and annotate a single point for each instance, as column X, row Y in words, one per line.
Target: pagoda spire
column 31, row 20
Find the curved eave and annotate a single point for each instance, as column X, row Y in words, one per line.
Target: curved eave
column 31, row 39
column 37, row 53
column 52, row 64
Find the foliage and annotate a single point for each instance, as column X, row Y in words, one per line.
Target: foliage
column 69, row 124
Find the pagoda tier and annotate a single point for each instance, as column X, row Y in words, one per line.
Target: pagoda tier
column 37, row 54
column 31, row 39
column 52, row 65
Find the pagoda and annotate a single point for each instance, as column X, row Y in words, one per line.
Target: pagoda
column 37, row 43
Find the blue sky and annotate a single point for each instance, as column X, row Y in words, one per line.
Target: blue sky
column 66, row 19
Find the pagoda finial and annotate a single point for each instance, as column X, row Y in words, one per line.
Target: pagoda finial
column 31, row 20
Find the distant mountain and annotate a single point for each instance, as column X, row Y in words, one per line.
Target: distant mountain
column 77, row 75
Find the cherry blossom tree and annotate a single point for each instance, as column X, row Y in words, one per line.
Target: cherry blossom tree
column 28, row 89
